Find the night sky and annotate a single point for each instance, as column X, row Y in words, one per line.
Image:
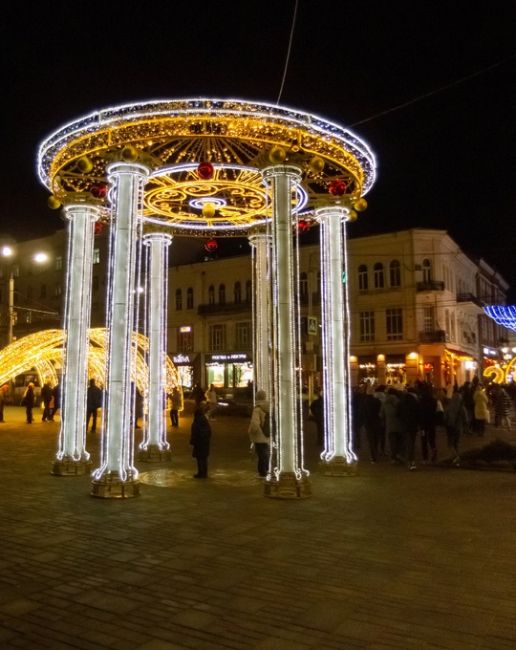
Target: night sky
column 445, row 161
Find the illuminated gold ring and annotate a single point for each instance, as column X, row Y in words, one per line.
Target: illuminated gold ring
column 226, row 133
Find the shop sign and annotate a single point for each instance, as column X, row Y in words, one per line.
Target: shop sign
column 183, row 359
column 311, row 325
column 235, row 356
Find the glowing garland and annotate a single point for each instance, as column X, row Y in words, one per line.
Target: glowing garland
column 504, row 315
column 235, row 136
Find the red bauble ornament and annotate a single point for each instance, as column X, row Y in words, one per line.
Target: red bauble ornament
column 337, row 187
column 303, row 225
column 99, row 190
column 99, row 227
column 205, row 171
column 211, row 246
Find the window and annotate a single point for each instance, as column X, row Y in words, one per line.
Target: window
column 30, row 293
column 179, row 299
column 43, row 291
column 428, row 319
column 303, row 286
column 427, row 270
column 237, row 292
column 394, row 324
column 96, row 256
column 378, row 276
column 243, row 336
column 366, row 326
column 185, row 339
column 363, row 282
column 211, row 295
column 395, row 274
column 249, row 291
column 217, row 338
column 189, row 298
column 222, row 294
column 59, row 263
column 58, row 290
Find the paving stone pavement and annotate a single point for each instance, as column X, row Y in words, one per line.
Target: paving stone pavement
column 385, row 559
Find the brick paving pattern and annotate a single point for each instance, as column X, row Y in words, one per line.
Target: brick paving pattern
column 385, row 559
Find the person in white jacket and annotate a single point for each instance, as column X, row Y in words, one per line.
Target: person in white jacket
column 259, row 432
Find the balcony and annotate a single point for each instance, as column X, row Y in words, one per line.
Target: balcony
column 224, row 308
column 430, row 285
column 469, row 297
column 437, row 336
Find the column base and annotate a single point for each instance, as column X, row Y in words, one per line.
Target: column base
column 288, row 486
column 153, row 454
column 110, row 486
column 68, row 466
column 337, row 466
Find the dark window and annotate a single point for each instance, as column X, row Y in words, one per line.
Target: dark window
column 189, row 298
column 363, row 281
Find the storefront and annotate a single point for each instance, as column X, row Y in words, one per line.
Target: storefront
column 184, row 364
column 231, row 370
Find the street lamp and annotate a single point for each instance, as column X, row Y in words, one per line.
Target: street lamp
column 8, row 252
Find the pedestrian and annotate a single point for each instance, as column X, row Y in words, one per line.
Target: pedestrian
column 373, row 424
column 57, row 400
column 28, row 401
column 4, row 389
column 502, row 407
column 456, row 422
column 428, row 423
column 176, row 404
column 481, row 409
column 409, row 412
column 198, row 394
column 211, row 398
column 93, row 403
column 259, row 432
column 47, row 395
column 317, row 411
column 389, row 415
column 200, row 440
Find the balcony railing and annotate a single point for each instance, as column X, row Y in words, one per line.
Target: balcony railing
column 224, row 308
column 430, row 285
column 436, row 336
column 469, row 297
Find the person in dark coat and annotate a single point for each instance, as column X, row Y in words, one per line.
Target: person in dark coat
column 200, row 440
column 47, row 395
column 409, row 412
column 428, row 423
column 198, row 394
column 28, row 401
column 373, row 424
column 93, row 403
column 57, row 400
column 317, row 411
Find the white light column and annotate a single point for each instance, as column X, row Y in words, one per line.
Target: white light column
column 261, row 243
column 338, row 457
column 154, row 447
column 287, row 480
column 72, row 458
column 117, row 477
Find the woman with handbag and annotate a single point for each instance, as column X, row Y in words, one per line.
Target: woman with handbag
column 28, row 401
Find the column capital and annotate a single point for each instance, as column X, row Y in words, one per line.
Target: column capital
column 274, row 171
column 259, row 235
column 127, row 168
column 333, row 212
column 70, row 210
column 164, row 237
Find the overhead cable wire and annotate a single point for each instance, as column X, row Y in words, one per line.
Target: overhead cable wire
column 288, row 51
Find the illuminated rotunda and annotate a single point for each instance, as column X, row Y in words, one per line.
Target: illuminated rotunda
column 207, row 168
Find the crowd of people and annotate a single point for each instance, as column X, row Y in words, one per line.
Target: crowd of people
column 391, row 419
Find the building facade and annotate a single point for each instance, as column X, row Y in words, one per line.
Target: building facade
column 415, row 308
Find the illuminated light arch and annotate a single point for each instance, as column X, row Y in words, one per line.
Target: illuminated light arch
column 504, row 315
column 44, row 352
